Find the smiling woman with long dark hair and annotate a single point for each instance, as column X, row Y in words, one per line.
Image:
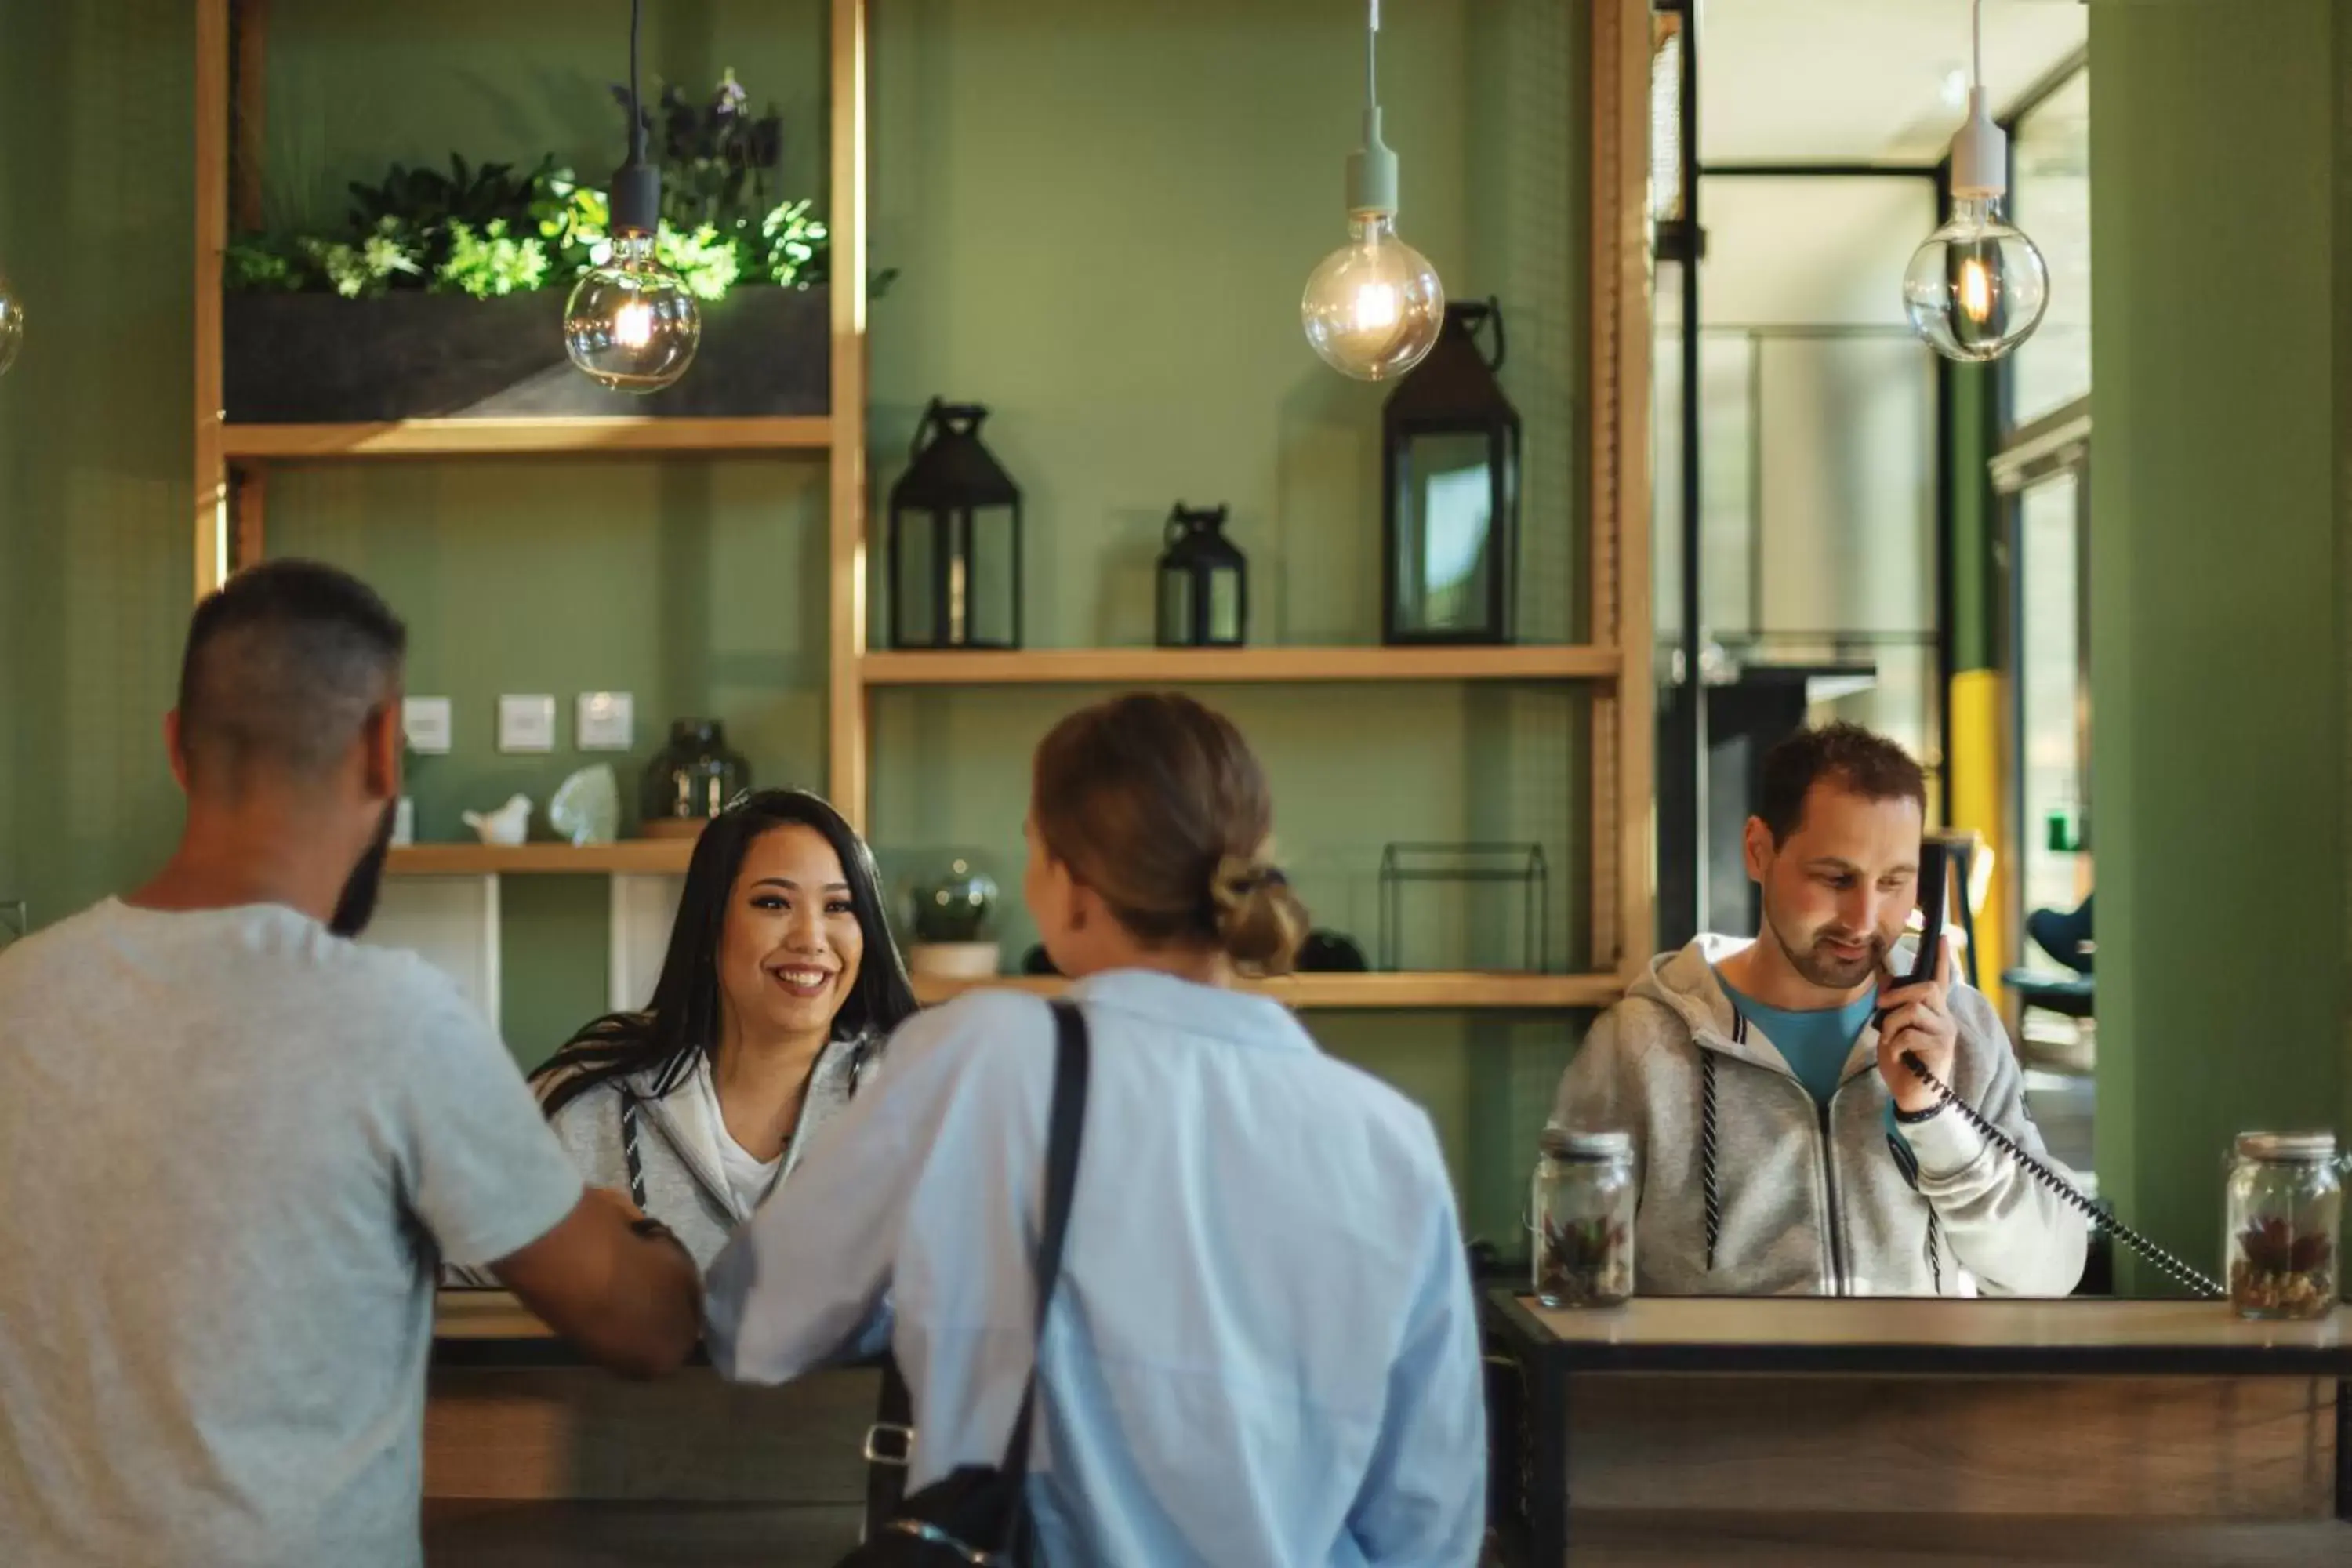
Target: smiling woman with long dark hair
column 780, row 984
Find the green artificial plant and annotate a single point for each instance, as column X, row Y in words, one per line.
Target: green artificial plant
column 488, row 230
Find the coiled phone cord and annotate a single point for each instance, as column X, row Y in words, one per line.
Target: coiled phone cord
column 2180, row 1273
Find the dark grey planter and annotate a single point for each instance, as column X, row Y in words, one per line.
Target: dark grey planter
column 300, row 359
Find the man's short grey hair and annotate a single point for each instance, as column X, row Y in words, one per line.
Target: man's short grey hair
column 284, row 663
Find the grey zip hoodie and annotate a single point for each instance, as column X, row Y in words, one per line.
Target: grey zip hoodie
column 1749, row 1186
column 684, row 1184
column 678, row 1150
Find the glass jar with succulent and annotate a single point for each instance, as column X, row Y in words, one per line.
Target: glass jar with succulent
column 2285, row 1215
column 952, row 917
column 1583, row 1219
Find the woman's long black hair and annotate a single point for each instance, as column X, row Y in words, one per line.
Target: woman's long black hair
column 682, row 1021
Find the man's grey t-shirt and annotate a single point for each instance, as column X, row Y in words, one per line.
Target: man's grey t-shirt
column 231, row 1145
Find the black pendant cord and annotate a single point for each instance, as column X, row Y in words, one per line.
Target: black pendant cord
column 637, row 104
column 637, row 185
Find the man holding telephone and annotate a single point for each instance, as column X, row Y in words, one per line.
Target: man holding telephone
column 1784, row 1147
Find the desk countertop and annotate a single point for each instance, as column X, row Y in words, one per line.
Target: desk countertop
column 1720, row 1333
column 1798, row 1335
column 491, row 1328
column 470, row 1316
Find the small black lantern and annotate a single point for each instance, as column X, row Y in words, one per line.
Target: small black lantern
column 1449, row 502
column 1203, row 582
column 955, row 539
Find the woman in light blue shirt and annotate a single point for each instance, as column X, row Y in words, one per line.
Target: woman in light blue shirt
column 1264, row 1348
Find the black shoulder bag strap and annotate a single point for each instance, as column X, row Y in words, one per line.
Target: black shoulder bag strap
column 1064, row 1132
column 886, row 1474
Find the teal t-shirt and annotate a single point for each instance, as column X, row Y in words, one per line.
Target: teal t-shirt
column 1816, row 1042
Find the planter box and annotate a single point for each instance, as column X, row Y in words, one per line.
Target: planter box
column 299, row 359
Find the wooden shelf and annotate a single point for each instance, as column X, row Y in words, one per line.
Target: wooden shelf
column 646, row 856
column 491, row 437
column 1224, row 666
column 1430, row 990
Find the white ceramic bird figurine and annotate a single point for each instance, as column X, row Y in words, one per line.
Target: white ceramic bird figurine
column 510, row 823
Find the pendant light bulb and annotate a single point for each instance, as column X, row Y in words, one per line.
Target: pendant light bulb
column 1978, row 288
column 12, row 325
column 630, row 324
column 1373, row 308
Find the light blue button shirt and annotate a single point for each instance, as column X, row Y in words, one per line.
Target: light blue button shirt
column 1264, row 1348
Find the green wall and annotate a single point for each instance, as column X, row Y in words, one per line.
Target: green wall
column 2218, row 190
column 352, row 89
column 1102, row 215
column 95, row 212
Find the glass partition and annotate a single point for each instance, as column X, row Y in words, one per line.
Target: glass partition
column 2050, row 199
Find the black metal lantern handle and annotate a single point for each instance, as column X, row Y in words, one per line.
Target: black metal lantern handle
column 1186, row 521
column 1476, row 313
column 940, row 417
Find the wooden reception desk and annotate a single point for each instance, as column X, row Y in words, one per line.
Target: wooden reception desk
column 535, row 1459
column 1813, row 1432
column 1799, row 1433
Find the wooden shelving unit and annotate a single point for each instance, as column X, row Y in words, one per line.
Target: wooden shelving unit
column 1237, row 666
column 640, row 857
column 512, row 438
column 233, row 461
column 232, row 465
column 1431, row 989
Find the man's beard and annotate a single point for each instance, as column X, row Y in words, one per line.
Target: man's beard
column 1824, row 968
column 356, row 907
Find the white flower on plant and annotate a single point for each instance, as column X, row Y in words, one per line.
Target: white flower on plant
column 731, row 97
column 383, row 254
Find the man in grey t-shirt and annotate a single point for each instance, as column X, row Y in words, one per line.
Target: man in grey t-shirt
column 236, row 1146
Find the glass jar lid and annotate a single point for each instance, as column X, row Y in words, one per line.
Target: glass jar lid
column 2287, row 1148
column 1587, row 1143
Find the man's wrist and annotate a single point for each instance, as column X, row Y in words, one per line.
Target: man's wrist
column 1907, row 1117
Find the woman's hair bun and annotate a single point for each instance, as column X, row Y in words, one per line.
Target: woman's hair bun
column 1259, row 921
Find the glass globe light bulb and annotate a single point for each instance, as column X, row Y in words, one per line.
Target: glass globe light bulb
column 1976, row 289
column 12, row 325
column 630, row 324
column 1373, row 308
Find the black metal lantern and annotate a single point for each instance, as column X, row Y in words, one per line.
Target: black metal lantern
column 955, row 539
column 1449, row 502
column 1203, row 582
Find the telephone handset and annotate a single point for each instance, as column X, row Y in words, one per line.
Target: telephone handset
column 1933, row 858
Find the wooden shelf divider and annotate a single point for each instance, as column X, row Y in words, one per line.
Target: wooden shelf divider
column 1237, row 666
column 654, row 857
column 1428, row 990
column 495, row 438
